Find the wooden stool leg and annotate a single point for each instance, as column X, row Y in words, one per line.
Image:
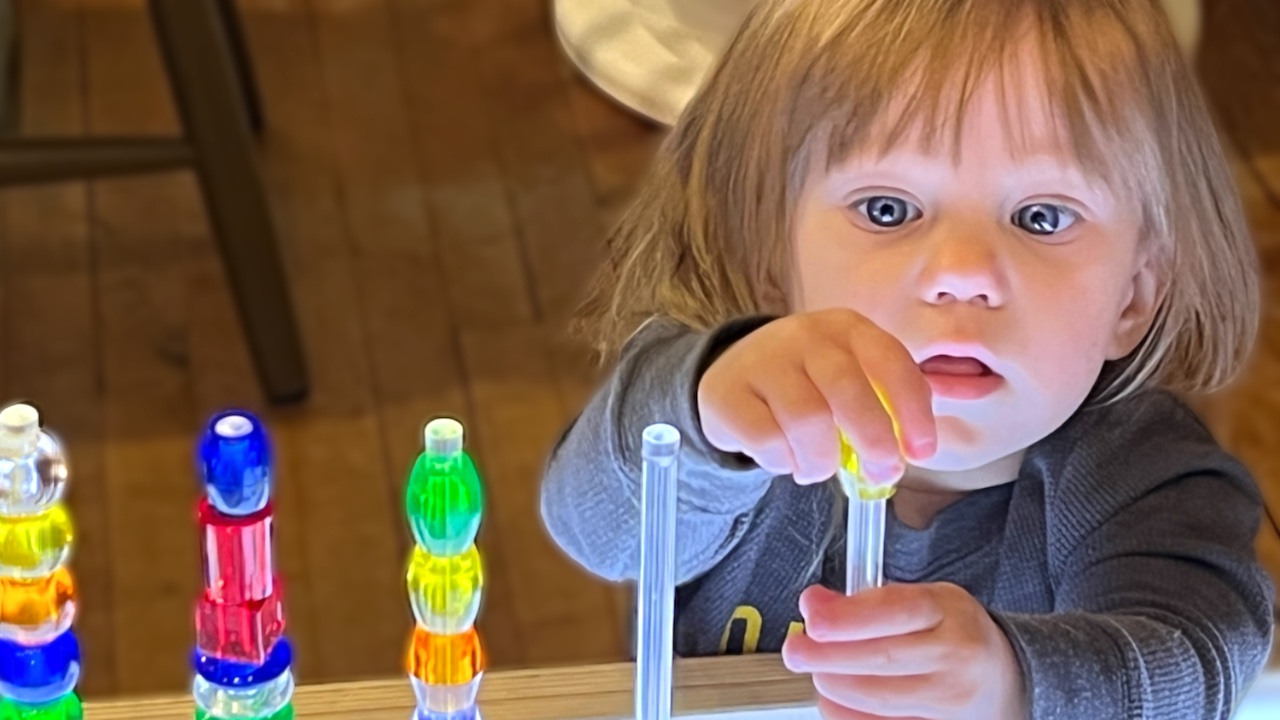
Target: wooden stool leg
column 234, row 30
column 202, row 76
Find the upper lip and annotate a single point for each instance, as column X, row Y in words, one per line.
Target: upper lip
column 960, row 350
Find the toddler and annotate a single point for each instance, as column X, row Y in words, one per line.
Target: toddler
column 987, row 240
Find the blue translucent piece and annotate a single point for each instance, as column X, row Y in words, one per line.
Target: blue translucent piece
column 468, row 714
column 234, row 674
column 445, row 702
column 235, row 461
column 40, row 673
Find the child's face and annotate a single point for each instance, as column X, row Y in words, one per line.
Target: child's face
column 1014, row 258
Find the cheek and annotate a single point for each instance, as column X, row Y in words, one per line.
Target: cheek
column 1071, row 326
column 826, row 270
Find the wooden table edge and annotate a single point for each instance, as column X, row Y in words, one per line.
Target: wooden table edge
column 570, row 692
column 721, row 684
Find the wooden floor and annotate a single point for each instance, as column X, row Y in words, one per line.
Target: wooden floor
column 442, row 181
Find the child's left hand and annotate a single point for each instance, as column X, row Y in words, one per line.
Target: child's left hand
column 922, row 651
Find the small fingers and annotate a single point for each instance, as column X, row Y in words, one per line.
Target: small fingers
column 888, row 697
column 901, row 386
column 859, row 412
column 830, row 710
column 805, row 418
column 913, row 654
column 750, row 428
column 883, row 612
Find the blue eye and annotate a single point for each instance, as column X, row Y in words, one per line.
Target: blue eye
column 887, row 211
column 1044, row 218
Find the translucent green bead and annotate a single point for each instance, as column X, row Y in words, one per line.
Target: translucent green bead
column 444, row 500
column 284, row 713
column 66, row 707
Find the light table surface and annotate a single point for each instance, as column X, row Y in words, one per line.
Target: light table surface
column 751, row 687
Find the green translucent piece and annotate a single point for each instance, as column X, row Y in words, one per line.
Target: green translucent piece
column 66, row 707
column 444, row 503
column 284, row 713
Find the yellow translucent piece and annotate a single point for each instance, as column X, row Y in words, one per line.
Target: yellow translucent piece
column 35, row 545
column 851, row 480
column 445, row 590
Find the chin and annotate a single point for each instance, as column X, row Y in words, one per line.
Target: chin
column 954, row 460
column 962, row 446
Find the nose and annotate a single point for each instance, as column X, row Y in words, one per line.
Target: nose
column 963, row 269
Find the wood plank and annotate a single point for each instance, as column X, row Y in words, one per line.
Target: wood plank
column 5, row 396
column 562, row 221
column 618, row 144
column 146, row 232
column 474, row 233
column 52, row 333
column 223, row 377
column 472, row 253
column 561, row 232
column 520, row 413
column 541, row 159
column 1239, row 60
column 351, row 532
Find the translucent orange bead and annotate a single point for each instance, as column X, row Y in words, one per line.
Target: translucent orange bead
column 445, row 659
column 33, row 612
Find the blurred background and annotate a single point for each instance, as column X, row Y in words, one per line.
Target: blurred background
column 436, row 177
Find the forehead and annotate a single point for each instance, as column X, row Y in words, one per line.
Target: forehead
column 1009, row 110
column 1018, row 109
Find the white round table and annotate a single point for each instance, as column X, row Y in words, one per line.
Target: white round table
column 641, row 55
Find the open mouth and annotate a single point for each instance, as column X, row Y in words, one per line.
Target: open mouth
column 960, row 378
column 953, row 365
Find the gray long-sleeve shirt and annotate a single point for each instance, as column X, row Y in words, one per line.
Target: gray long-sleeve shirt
column 1120, row 563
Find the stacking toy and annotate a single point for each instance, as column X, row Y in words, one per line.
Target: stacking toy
column 242, row 659
column 444, row 503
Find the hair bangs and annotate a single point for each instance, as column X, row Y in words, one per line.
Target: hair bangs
column 869, row 96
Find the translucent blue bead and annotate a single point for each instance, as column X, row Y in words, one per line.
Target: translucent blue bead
column 235, row 461
column 40, row 673
column 445, row 702
column 233, row 674
column 468, row 714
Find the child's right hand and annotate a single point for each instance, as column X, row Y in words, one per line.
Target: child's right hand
column 780, row 395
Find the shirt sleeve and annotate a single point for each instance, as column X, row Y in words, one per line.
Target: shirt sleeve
column 1162, row 610
column 591, row 486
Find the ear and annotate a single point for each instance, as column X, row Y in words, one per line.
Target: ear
column 1146, row 291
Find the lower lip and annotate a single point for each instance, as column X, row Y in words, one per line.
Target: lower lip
column 963, row 387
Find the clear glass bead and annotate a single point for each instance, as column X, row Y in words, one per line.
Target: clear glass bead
column 244, row 703
column 33, row 466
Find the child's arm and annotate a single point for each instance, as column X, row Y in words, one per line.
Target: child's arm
column 591, row 490
column 1162, row 608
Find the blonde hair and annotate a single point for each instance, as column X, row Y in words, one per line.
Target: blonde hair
column 806, row 81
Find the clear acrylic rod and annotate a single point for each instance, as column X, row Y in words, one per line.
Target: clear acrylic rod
column 864, row 536
column 864, row 562
column 657, row 586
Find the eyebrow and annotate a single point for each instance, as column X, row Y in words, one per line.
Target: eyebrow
column 1033, row 161
column 1072, row 178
